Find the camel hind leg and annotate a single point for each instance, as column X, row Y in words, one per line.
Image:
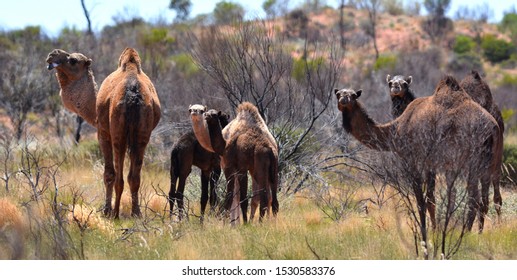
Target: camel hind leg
column 137, row 160
column 118, row 158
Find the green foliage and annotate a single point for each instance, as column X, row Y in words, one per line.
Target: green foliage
column 385, row 62
column 496, row 50
column 509, row 24
column 509, row 80
column 228, row 12
column 157, row 36
column 393, row 7
column 463, row 44
column 462, row 61
column 437, row 8
column 185, row 64
column 302, row 66
column 182, row 8
column 507, row 114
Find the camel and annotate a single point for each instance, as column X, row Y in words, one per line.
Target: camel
column 480, row 92
column 401, row 95
column 187, row 152
column 431, row 135
column 125, row 111
column 246, row 144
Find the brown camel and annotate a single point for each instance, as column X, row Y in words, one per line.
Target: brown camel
column 401, row 95
column 431, row 135
column 480, row 92
column 125, row 111
column 245, row 144
column 187, row 152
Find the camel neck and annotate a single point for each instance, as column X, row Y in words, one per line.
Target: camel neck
column 216, row 137
column 358, row 123
column 400, row 103
column 79, row 95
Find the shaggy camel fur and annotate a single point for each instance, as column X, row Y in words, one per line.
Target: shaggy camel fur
column 430, row 135
column 401, row 95
column 246, row 144
column 480, row 92
column 125, row 111
column 187, row 152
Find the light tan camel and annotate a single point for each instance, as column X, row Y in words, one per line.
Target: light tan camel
column 431, row 135
column 125, row 111
column 246, row 144
column 480, row 92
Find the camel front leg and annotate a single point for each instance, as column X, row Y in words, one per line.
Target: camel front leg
column 109, row 171
column 205, row 178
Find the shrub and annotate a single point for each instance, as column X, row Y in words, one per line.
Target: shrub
column 300, row 67
column 465, row 61
column 463, row 44
column 496, row 50
column 510, row 164
column 385, row 62
column 393, row 7
column 185, row 64
column 509, row 80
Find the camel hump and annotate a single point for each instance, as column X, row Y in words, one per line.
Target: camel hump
column 250, row 111
column 130, row 58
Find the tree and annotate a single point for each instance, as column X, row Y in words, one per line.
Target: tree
column 251, row 63
column 509, row 24
column 275, row 8
column 437, row 24
column 370, row 26
column 228, row 12
column 182, row 8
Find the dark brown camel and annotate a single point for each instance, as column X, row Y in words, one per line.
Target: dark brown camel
column 480, row 92
column 246, row 145
column 125, row 111
column 431, row 135
column 187, row 152
column 401, row 95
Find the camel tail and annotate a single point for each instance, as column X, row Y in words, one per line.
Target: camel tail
column 133, row 101
column 273, row 180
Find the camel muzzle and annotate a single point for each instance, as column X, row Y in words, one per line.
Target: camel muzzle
column 52, row 65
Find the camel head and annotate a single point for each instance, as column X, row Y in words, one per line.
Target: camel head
column 213, row 115
column 398, row 85
column 197, row 110
column 346, row 98
column 71, row 64
column 130, row 58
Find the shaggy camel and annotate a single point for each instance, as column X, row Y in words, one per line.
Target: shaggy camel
column 246, row 144
column 187, row 152
column 430, row 135
column 401, row 95
column 125, row 111
column 480, row 92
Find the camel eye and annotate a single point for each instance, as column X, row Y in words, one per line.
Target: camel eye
column 72, row 61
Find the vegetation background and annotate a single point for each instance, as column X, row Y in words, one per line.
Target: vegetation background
column 334, row 201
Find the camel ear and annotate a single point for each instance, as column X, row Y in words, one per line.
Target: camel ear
column 476, row 75
column 358, row 92
column 336, row 90
column 205, row 109
column 388, row 78
column 409, row 80
column 88, row 62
